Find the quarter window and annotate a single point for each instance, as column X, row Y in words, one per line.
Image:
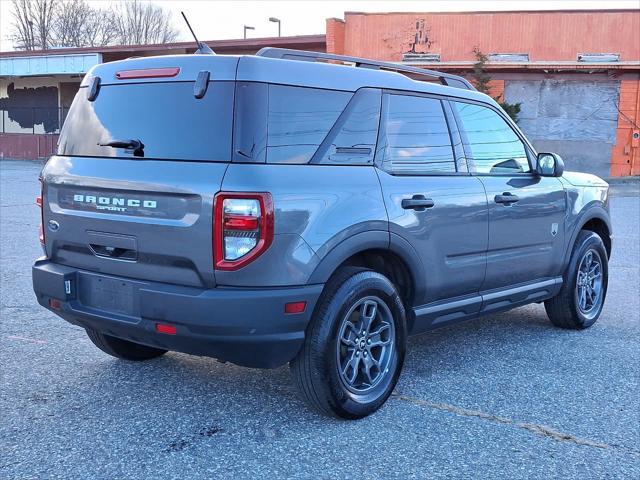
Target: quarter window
column 299, row 119
column 490, row 141
column 415, row 137
column 352, row 140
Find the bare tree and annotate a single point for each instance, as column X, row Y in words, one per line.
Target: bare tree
column 33, row 23
column 78, row 24
column 139, row 23
column 42, row 24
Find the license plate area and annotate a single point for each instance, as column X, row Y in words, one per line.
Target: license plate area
column 109, row 294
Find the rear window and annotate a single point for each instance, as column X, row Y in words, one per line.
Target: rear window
column 165, row 117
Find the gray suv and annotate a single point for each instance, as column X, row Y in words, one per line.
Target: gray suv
column 305, row 208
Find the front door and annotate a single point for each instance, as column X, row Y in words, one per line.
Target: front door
column 526, row 211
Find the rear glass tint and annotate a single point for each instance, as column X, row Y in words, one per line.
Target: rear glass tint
column 165, row 117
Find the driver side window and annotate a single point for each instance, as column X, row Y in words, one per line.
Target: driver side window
column 492, row 144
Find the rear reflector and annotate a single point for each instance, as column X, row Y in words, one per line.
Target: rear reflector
column 148, row 73
column 55, row 304
column 164, row 328
column 295, row 307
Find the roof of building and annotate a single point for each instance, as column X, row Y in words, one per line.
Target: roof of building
column 306, row 42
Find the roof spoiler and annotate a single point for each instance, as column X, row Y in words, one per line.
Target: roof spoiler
column 303, row 55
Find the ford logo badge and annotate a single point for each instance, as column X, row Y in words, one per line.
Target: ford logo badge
column 53, row 225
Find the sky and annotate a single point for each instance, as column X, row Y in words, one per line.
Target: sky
column 224, row 19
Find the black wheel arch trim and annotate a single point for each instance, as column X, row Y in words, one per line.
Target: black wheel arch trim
column 374, row 239
column 371, row 240
column 594, row 212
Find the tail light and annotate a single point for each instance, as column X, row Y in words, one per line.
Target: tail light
column 243, row 228
column 40, row 204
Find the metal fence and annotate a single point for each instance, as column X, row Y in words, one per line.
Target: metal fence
column 33, row 120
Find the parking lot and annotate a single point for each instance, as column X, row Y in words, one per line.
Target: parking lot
column 505, row 396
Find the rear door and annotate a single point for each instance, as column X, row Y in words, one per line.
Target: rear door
column 432, row 202
column 141, row 212
column 526, row 211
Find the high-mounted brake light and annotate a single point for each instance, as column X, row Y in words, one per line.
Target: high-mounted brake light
column 147, row 73
column 243, row 228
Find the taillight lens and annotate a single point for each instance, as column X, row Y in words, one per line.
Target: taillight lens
column 243, row 228
column 39, row 203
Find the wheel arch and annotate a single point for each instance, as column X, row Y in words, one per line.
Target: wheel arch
column 394, row 258
column 595, row 219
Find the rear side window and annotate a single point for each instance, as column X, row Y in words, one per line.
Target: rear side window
column 352, row 140
column 299, row 119
column 490, row 141
column 415, row 137
column 165, row 117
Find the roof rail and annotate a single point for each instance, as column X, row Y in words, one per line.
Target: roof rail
column 290, row 54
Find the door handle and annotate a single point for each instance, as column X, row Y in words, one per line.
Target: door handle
column 419, row 203
column 506, row 198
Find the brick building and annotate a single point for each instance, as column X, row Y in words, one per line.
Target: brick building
column 575, row 73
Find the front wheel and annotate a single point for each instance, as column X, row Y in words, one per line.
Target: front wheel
column 579, row 303
column 355, row 345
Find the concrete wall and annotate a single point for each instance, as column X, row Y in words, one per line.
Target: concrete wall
column 574, row 118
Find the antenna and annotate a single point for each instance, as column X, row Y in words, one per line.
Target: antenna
column 203, row 48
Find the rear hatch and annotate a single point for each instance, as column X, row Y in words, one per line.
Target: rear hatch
column 141, row 155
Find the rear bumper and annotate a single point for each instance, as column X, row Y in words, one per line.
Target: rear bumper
column 244, row 326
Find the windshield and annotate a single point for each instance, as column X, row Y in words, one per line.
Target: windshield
column 165, row 118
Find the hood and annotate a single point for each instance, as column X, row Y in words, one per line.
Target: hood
column 579, row 179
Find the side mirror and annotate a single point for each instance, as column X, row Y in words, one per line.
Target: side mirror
column 550, row 165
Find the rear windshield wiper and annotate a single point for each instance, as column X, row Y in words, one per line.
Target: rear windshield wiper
column 136, row 145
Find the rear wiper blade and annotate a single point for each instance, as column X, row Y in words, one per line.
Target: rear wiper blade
column 136, row 145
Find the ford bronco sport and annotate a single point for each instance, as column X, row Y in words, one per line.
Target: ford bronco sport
column 288, row 208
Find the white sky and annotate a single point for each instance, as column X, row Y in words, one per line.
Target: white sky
column 223, row 19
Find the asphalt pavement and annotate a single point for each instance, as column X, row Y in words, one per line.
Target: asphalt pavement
column 506, row 396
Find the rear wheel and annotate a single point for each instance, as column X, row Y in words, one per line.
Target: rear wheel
column 355, row 345
column 580, row 302
column 123, row 349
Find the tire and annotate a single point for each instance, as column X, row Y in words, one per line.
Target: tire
column 123, row 349
column 570, row 308
column 345, row 378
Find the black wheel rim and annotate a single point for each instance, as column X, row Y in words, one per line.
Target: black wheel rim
column 589, row 284
column 365, row 345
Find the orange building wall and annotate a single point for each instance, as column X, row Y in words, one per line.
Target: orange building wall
column 543, row 35
column 625, row 158
column 335, row 35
